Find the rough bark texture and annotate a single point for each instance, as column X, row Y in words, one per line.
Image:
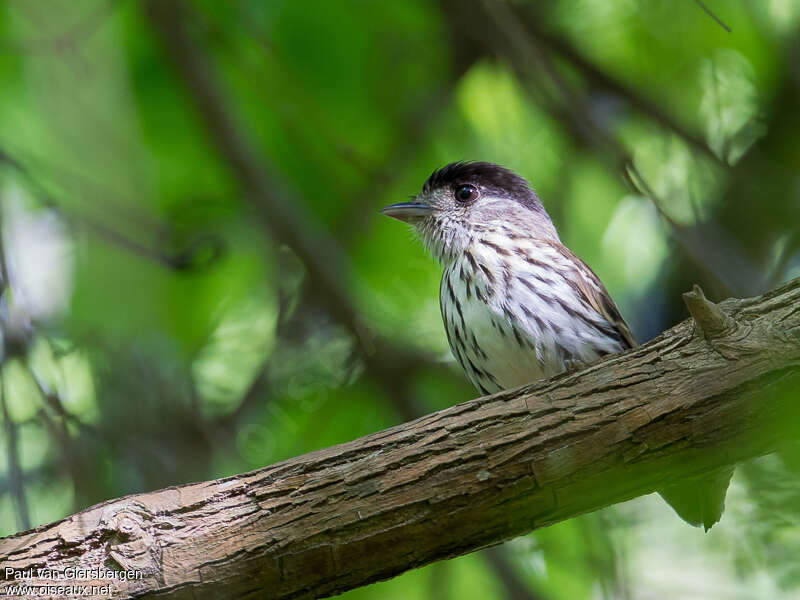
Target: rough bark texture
column 459, row 479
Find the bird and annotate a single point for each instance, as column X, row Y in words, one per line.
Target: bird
column 517, row 304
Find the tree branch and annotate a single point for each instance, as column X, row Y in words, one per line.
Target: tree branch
column 606, row 81
column 453, row 481
column 15, row 473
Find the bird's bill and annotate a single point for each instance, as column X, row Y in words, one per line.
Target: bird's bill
column 407, row 211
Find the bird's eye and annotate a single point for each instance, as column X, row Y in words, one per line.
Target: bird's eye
column 466, row 193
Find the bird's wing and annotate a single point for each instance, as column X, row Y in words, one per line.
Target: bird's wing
column 596, row 294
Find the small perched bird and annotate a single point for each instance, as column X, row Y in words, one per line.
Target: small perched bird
column 517, row 304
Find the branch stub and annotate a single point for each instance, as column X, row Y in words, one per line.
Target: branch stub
column 712, row 321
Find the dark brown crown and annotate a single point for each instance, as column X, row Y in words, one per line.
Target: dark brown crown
column 493, row 178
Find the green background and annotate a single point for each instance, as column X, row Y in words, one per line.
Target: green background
column 161, row 325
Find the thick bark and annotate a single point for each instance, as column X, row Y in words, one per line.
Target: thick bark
column 692, row 400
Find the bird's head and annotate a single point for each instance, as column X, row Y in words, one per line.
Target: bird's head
column 465, row 199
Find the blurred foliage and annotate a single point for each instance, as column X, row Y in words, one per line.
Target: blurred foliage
column 158, row 328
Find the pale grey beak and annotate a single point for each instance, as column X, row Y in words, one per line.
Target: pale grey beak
column 407, row 211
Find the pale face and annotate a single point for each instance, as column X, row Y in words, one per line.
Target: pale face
column 463, row 200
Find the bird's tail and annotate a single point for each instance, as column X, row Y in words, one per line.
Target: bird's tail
column 699, row 500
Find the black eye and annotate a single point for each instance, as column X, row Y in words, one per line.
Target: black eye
column 466, row 193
